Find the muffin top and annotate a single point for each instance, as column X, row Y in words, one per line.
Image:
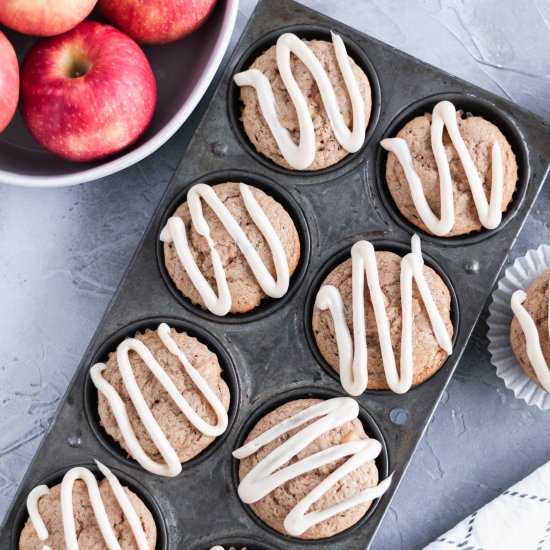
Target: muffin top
column 243, row 286
column 427, row 353
column 184, row 437
column 479, row 136
column 87, row 529
column 328, row 150
column 536, row 306
column 274, row 508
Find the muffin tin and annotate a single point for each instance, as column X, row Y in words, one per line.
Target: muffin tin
column 269, row 355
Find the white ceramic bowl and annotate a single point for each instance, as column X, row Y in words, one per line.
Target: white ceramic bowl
column 183, row 71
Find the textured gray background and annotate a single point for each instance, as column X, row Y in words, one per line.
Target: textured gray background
column 63, row 252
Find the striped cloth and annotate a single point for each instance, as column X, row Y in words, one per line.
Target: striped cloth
column 518, row 519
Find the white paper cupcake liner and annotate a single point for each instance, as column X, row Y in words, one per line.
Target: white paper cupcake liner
column 518, row 276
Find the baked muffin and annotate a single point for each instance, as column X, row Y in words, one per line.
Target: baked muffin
column 243, row 286
column 427, row 353
column 87, row 530
column 536, row 305
column 479, row 136
column 185, row 439
column 327, row 149
column 276, row 507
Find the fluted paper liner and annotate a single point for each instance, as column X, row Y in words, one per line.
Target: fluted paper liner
column 518, row 276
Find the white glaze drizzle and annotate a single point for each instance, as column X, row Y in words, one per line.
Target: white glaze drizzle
column 352, row 356
column 36, row 519
column 174, row 231
column 529, row 328
column 269, row 474
column 490, row 213
column 67, row 512
column 302, row 155
column 172, row 466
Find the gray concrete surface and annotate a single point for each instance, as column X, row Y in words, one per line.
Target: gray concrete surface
column 63, row 252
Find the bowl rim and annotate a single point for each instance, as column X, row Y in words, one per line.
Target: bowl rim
column 160, row 138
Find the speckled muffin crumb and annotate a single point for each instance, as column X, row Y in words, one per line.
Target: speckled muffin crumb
column 186, row 440
column 246, row 293
column 87, row 529
column 328, row 150
column 274, row 507
column 536, row 305
column 478, row 135
column 427, row 355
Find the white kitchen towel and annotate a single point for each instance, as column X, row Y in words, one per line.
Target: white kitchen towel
column 518, row 519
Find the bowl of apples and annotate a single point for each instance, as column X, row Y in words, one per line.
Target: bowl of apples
column 90, row 87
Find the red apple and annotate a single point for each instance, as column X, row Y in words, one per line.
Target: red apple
column 44, row 17
column 9, row 81
column 157, row 21
column 88, row 93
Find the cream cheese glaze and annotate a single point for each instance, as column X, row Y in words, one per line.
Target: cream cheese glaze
column 174, row 232
column 172, row 466
column 352, row 356
column 490, row 213
column 67, row 512
column 269, row 473
column 529, row 328
column 301, row 156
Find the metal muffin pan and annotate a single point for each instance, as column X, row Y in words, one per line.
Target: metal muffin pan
column 271, row 348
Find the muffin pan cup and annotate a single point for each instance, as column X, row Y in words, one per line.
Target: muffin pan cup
column 286, row 200
column 399, row 248
column 307, row 32
column 312, row 392
column 471, row 104
column 91, row 394
column 56, row 477
column 271, row 350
